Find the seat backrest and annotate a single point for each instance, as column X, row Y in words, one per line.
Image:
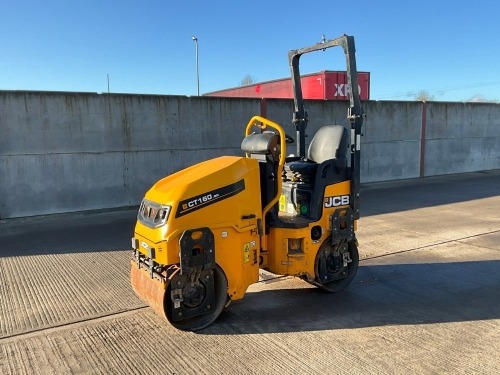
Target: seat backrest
column 260, row 143
column 329, row 142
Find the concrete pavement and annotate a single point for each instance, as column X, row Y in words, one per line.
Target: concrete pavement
column 426, row 298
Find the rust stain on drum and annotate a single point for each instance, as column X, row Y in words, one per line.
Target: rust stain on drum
column 151, row 291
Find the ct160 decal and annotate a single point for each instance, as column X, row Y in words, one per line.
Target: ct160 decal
column 203, row 200
column 339, row 200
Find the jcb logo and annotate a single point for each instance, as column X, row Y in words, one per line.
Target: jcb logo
column 339, row 200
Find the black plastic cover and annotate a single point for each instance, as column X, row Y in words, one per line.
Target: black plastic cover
column 263, row 143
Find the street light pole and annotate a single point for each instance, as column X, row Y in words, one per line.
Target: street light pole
column 195, row 40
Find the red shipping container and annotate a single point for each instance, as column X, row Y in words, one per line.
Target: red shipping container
column 325, row 85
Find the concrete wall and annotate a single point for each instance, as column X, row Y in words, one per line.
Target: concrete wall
column 462, row 137
column 63, row 152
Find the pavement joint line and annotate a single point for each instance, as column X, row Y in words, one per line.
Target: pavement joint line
column 431, row 245
column 77, row 323
column 55, row 328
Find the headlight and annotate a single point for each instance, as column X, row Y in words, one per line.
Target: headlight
column 153, row 214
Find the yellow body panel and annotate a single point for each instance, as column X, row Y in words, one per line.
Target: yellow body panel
column 237, row 253
column 291, row 251
column 334, row 190
column 196, row 197
column 300, row 261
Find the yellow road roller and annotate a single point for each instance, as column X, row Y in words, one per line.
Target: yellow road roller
column 203, row 233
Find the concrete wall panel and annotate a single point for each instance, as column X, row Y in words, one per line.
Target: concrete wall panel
column 390, row 146
column 461, row 155
column 63, row 152
column 393, row 160
column 462, row 137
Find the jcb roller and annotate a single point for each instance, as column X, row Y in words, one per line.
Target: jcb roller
column 203, row 233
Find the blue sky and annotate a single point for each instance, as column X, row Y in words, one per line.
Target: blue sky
column 449, row 48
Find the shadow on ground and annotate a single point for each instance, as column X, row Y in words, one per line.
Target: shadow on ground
column 67, row 234
column 397, row 196
column 381, row 295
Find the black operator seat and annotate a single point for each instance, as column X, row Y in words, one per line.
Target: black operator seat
column 330, row 143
